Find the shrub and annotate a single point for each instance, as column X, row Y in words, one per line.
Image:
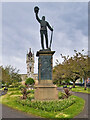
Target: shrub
column 66, row 90
column 24, row 92
column 30, row 81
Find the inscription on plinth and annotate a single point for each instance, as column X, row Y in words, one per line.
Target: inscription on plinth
column 45, row 68
column 45, row 88
column 45, row 65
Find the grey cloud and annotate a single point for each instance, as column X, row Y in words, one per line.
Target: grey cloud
column 21, row 30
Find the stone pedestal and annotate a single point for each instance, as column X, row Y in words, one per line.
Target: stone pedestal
column 45, row 90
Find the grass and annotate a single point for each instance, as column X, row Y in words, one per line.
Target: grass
column 10, row 99
column 81, row 89
column 78, row 89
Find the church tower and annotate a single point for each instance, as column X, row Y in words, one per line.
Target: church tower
column 30, row 64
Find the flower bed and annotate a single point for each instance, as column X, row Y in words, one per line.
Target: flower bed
column 48, row 106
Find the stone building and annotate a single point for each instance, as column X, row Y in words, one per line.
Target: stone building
column 30, row 67
column 30, row 64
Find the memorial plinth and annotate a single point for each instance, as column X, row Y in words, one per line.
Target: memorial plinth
column 45, row 90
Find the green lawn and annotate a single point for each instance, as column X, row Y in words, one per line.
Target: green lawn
column 78, row 89
column 71, row 110
column 81, row 89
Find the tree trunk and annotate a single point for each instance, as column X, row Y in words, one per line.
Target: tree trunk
column 85, row 87
column 73, row 84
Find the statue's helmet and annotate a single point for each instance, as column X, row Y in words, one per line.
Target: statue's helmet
column 36, row 9
column 43, row 17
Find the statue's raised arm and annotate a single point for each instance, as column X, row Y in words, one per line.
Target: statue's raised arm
column 37, row 18
column 36, row 9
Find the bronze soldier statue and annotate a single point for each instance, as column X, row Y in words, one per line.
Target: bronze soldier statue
column 43, row 28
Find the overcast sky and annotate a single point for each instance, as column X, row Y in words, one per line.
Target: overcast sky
column 20, row 30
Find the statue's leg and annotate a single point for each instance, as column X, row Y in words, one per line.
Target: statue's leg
column 46, row 37
column 42, row 44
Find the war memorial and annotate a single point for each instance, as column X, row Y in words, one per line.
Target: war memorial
column 45, row 90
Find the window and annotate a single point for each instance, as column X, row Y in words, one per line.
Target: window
column 30, row 69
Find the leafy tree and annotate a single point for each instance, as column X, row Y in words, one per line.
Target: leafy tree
column 82, row 61
column 5, row 77
column 30, row 81
column 72, row 68
column 58, row 74
column 14, row 73
column 10, row 75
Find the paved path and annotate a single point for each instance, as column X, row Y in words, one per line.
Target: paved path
column 86, row 111
column 12, row 113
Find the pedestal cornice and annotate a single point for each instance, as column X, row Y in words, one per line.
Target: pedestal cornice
column 44, row 52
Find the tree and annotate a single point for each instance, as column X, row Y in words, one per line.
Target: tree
column 82, row 61
column 5, row 77
column 58, row 74
column 10, row 75
column 72, row 68
column 14, row 73
column 30, row 81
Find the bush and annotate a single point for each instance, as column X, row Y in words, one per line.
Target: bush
column 30, row 81
column 67, row 92
column 24, row 92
